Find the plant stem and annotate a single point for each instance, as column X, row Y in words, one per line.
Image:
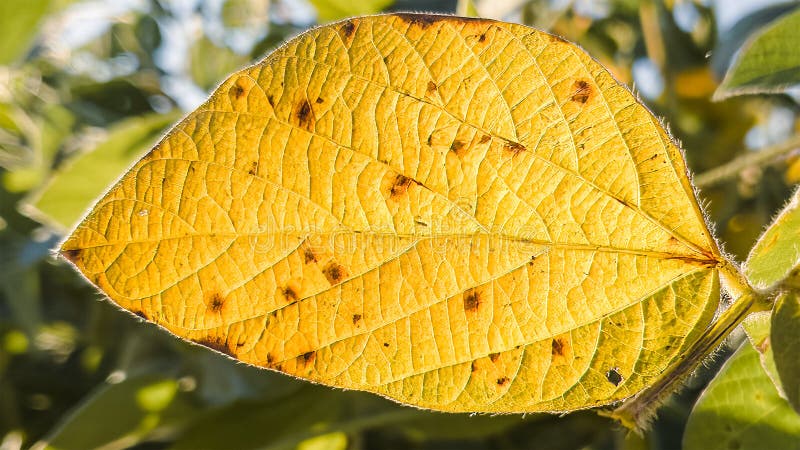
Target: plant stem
column 762, row 158
column 636, row 412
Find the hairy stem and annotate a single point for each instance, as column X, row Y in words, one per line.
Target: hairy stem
column 762, row 158
column 636, row 412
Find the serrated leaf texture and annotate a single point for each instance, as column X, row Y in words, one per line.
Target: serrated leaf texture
column 459, row 214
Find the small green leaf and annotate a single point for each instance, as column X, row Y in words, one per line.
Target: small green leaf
column 757, row 327
column 777, row 251
column 72, row 189
column 741, row 409
column 19, row 24
column 769, row 62
column 118, row 418
column 329, row 10
column 785, row 337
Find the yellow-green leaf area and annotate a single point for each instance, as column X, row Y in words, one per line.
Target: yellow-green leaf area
column 777, row 251
column 785, row 337
column 459, row 214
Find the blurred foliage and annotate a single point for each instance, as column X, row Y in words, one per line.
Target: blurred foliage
column 87, row 85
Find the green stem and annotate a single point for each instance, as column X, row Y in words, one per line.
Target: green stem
column 762, row 158
column 636, row 412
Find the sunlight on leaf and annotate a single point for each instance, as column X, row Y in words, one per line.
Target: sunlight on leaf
column 777, row 251
column 768, row 63
column 459, row 214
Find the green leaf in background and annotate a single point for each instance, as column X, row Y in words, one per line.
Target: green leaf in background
column 777, row 251
column 785, row 337
column 71, row 190
column 768, row 63
column 329, row 10
column 121, row 415
column 757, row 327
column 742, row 410
column 19, row 24
column 207, row 75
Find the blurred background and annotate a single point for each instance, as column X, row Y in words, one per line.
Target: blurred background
column 87, row 86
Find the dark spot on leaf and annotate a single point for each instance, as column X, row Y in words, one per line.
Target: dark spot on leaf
column 253, row 168
column 431, row 87
column 237, row 91
column 420, row 223
column 215, row 343
column 557, row 347
column 290, row 294
column 484, row 139
column 309, row 256
column 270, row 359
column 533, row 259
column 347, row 30
column 216, row 302
column 271, row 101
column 426, row 20
column 474, row 366
column 140, row 314
column 581, row 91
column 320, row 100
column 305, row 115
column 308, row 357
column 73, row 254
column 458, row 147
column 502, row 381
column 472, row 300
column 555, row 38
column 614, row 377
column 494, row 356
column 334, row 272
column 400, row 185
column 514, row 147
column 385, row 344
column 356, row 319
column 482, row 37
column 430, row 139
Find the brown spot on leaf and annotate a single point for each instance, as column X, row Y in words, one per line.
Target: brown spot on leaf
column 474, row 366
column 334, row 272
column 385, row 344
column 237, row 91
column 432, row 87
column 472, row 300
column 356, row 319
column 73, row 255
column 346, row 30
column 557, row 347
column 502, row 381
column 482, row 37
column 290, row 294
column 270, row 359
column 400, row 185
column 309, row 256
column 320, row 100
column 484, row 139
column 458, row 147
column 581, row 91
column 556, row 38
column 514, row 147
column 614, row 377
column 215, row 343
column 424, row 21
column 308, row 357
column 216, row 302
column 141, row 314
column 253, row 168
column 494, row 356
column 271, row 101
column 304, row 115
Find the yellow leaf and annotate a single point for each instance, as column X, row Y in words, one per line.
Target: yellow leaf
column 459, row 214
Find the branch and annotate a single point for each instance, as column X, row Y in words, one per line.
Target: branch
column 762, row 158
